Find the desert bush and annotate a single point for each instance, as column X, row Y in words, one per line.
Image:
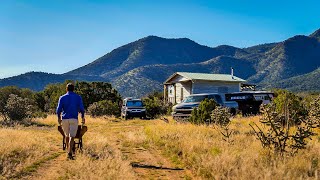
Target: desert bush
column 155, row 105
column 314, row 112
column 308, row 98
column 288, row 104
column 105, row 107
column 95, row 110
column 17, row 108
column 220, row 117
column 201, row 115
column 278, row 135
column 35, row 100
column 5, row 93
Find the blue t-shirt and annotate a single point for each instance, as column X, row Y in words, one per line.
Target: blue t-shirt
column 70, row 105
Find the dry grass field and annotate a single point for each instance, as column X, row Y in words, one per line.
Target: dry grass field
column 149, row 149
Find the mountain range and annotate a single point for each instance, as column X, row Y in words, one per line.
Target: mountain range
column 141, row 67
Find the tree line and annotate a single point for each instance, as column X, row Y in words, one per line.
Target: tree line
column 19, row 104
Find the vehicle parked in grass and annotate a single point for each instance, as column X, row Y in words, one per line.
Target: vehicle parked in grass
column 133, row 108
column 249, row 101
column 184, row 109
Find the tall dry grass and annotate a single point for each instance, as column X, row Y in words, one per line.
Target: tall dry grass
column 198, row 148
column 22, row 148
column 201, row 149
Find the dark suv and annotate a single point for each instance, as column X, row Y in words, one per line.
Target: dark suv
column 133, row 108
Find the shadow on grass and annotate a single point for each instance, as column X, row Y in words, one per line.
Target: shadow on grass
column 146, row 166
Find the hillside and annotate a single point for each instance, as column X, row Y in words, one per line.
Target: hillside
column 147, row 51
column 316, row 34
column 140, row 67
column 296, row 56
column 38, row 80
column 306, row 82
column 154, row 75
column 262, row 48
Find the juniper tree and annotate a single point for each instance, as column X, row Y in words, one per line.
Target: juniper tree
column 202, row 114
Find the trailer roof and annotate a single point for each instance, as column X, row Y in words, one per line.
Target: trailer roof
column 207, row 77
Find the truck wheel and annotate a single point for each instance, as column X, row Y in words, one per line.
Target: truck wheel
column 233, row 111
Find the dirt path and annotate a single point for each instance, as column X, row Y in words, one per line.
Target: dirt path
column 146, row 162
column 49, row 168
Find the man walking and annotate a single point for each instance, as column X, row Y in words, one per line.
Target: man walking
column 70, row 105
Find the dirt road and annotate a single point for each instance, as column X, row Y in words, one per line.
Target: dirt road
column 124, row 140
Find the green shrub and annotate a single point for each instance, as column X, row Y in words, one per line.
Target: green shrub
column 5, row 93
column 314, row 112
column 290, row 105
column 308, row 98
column 155, row 105
column 105, row 107
column 202, row 114
column 17, row 108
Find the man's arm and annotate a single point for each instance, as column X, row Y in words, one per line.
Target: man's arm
column 59, row 110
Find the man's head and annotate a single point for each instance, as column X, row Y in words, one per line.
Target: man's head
column 70, row 87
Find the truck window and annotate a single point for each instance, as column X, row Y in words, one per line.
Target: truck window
column 216, row 98
column 191, row 99
column 134, row 104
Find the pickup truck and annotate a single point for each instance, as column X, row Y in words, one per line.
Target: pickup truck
column 183, row 109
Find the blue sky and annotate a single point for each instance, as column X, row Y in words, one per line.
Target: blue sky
column 57, row 36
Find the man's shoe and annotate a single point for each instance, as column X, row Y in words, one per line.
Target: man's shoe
column 70, row 156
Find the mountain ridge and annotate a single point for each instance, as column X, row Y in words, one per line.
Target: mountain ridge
column 140, row 67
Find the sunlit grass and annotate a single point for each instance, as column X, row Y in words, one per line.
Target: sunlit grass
column 109, row 142
column 201, row 149
column 23, row 149
column 20, row 147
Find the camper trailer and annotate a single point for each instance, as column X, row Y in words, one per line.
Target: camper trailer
column 249, row 101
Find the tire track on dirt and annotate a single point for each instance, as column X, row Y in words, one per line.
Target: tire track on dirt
column 50, row 169
column 30, row 171
column 147, row 163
